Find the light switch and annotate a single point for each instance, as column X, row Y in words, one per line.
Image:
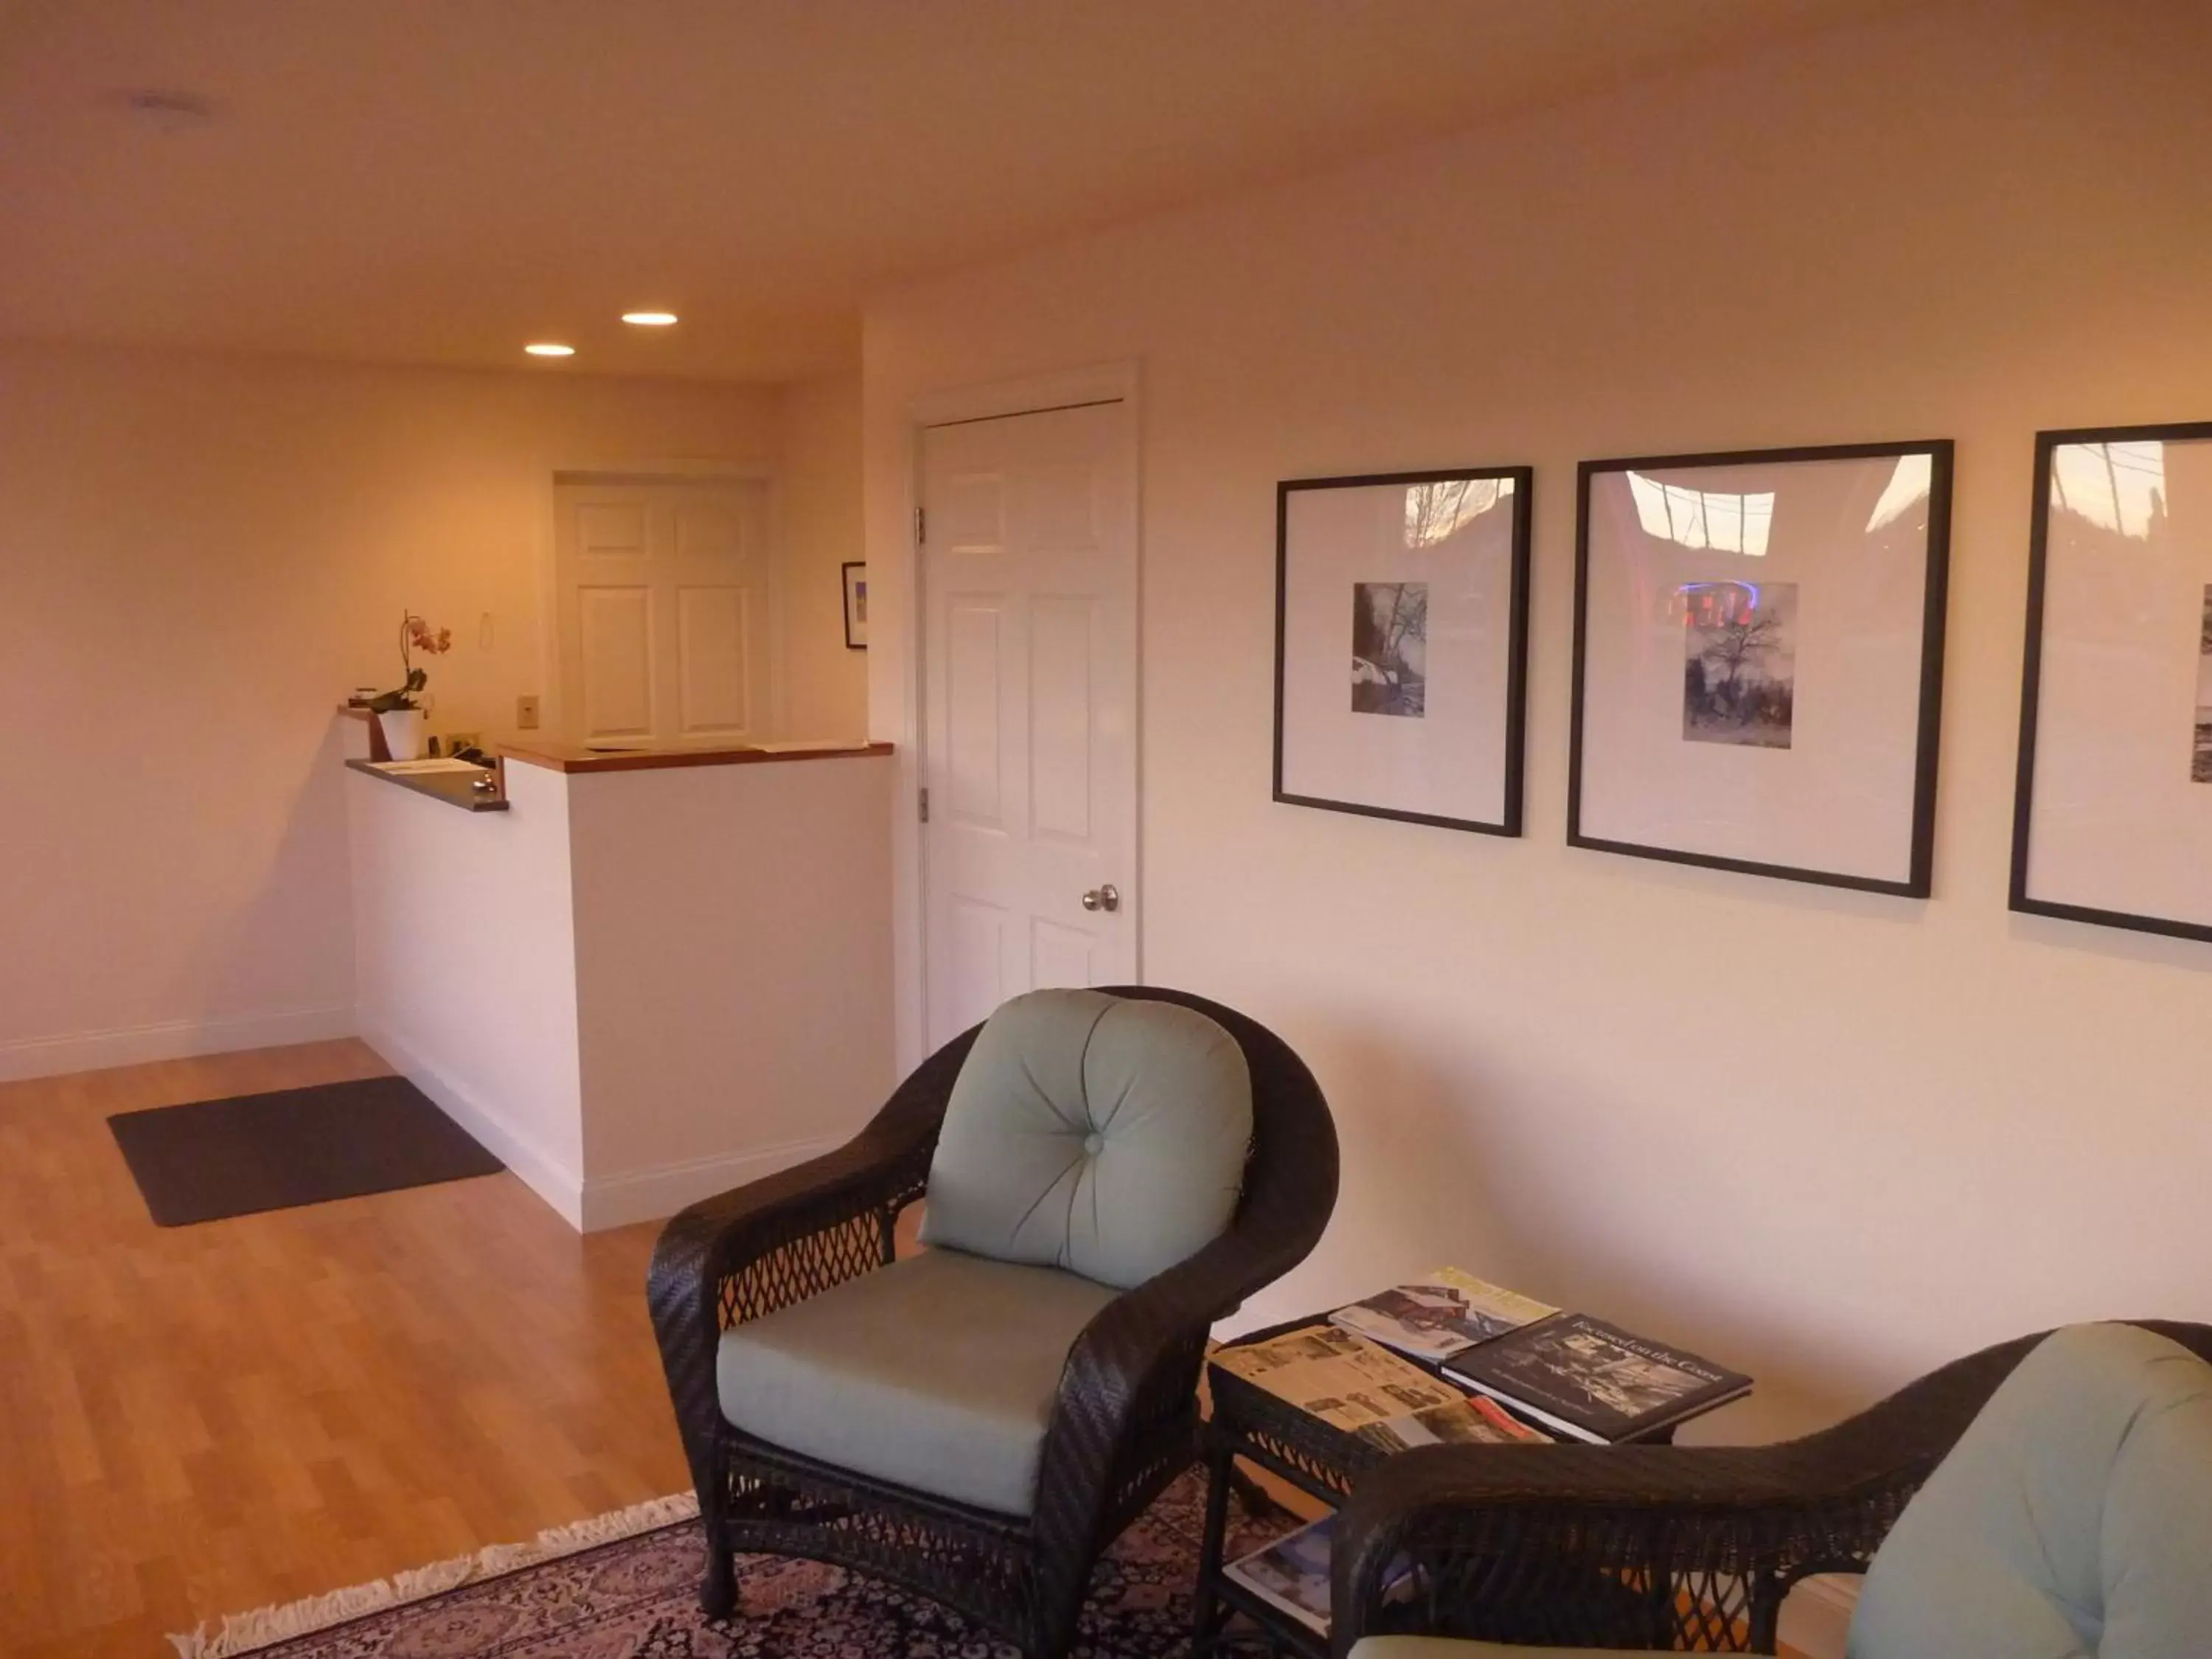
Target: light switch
column 526, row 713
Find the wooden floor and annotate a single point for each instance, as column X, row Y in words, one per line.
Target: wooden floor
column 204, row 1419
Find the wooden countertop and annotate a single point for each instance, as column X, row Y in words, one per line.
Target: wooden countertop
column 573, row 757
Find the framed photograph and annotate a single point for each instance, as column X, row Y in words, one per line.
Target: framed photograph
column 2112, row 814
column 1758, row 661
column 856, row 606
column 1401, row 645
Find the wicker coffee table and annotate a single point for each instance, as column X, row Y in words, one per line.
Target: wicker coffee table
column 1266, row 1430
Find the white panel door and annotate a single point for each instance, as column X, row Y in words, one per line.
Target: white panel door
column 1029, row 562
column 663, row 595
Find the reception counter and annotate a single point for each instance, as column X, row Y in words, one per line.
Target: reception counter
column 652, row 977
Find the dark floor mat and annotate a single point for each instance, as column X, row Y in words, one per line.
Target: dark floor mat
column 214, row 1158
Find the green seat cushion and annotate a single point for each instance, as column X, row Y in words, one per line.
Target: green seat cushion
column 1105, row 1135
column 938, row 1373
column 2072, row 1521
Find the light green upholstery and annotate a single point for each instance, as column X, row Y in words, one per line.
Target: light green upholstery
column 2072, row 1521
column 938, row 1372
column 1106, row 1135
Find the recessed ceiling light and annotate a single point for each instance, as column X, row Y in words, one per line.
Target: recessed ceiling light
column 547, row 348
column 650, row 319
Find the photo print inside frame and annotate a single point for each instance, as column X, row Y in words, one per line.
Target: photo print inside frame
column 1389, row 649
column 1739, row 662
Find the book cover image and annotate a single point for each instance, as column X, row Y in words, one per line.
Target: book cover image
column 1291, row 1573
column 1595, row 1379
column 1441, row 1314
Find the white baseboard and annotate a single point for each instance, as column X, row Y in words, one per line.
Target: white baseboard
column 618, row 1201
column 175, row 1039
column 1816, row 1619
column 538, row 1169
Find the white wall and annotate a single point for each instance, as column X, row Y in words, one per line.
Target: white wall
column 826, row 685
column 466, row 953
column 1835, row 1138
column 733, row 935
column 200, row 555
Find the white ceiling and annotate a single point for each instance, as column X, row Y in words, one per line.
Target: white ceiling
column 441, row 180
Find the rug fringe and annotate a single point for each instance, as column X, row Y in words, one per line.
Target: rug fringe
column 245, row 1632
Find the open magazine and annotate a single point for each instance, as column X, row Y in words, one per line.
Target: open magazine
column 1479, row 1421
column 1441, row 1314
column 1345, row 1382
column 1353, row 1385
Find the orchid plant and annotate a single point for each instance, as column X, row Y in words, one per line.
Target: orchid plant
column 415, row 635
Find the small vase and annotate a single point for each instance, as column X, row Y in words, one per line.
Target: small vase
column 402, row 732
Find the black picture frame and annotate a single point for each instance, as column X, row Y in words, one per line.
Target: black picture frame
column 855, row 597
column 1919, row 882
column 2047, row 444
column 1522, row 479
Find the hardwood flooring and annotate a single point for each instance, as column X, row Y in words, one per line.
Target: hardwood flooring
column 199, row 1421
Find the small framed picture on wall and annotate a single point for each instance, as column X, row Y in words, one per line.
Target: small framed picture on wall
column 1758, row 661
column 2112, row 811
column 856, row 607
column 1401, row 645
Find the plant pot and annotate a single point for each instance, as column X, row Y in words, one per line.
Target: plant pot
column 402, row 732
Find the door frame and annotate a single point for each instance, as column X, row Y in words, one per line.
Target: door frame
column 1116, row 381
column 552, row 712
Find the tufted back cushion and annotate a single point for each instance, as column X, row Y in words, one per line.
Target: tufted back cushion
column 1103, row 1135
column 2074, row 1517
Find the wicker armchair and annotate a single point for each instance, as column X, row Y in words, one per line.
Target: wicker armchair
column 1649, row 1546
column 1123, row 1424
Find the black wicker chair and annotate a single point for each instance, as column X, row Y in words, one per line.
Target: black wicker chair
column 1124, row 1424
column 1666, row 1548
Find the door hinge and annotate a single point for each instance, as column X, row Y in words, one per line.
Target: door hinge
column 921, row 525
column 925, row 806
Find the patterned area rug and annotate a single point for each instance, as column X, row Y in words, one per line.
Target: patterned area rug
column 637, row 1598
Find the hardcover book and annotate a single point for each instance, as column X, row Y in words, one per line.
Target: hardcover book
column 1441, row 1314
column 1594, row 1381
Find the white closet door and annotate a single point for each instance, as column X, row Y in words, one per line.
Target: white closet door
column 1029, row 608
column 664, row 591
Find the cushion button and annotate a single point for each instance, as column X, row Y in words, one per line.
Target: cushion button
column 1094, row 1143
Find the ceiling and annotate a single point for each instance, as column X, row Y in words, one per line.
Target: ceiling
column 440, row 181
